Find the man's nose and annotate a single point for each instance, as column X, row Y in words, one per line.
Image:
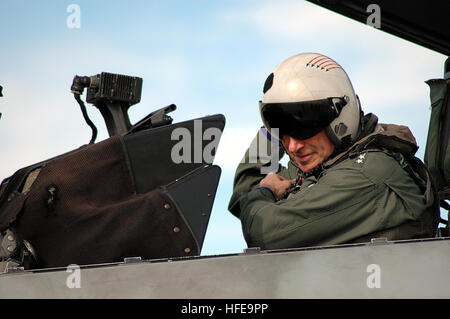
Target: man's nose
column 294, row 145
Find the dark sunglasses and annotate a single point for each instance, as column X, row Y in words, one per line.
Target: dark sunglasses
column 302, row 120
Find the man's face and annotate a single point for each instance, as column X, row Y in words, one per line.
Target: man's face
column 310, row 152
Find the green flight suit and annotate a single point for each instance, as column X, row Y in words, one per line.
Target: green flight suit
column 364, row 192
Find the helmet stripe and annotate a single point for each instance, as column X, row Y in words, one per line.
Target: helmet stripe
column 331, row 64
column 317, row 61
column 327, row 61
column 314, row 58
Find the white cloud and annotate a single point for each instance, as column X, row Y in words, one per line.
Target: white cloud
column 300, row 21
column 233, row 144
column 41, row 118
column 383, row 68
column 397, row 76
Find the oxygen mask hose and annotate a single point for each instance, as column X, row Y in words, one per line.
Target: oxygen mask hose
column 77, row 88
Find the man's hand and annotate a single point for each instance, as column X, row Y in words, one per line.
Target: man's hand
column 276, row 183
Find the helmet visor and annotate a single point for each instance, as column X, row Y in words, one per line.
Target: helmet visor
column 302, row 120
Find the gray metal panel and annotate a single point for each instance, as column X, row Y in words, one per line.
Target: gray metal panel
column 409, row 269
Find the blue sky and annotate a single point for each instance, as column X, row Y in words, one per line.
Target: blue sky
column 207, row 57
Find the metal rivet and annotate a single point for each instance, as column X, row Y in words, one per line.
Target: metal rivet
column 187, row 250
column 166, row 206
column 10, row 248
column 176, row 229
column 209, row 195
column 10, row 237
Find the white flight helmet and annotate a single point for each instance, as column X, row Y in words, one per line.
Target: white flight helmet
column 307, row 93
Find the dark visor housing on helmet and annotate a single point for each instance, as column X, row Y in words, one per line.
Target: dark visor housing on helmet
column 302, row 120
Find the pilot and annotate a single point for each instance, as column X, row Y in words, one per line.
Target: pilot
column 349, row 178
